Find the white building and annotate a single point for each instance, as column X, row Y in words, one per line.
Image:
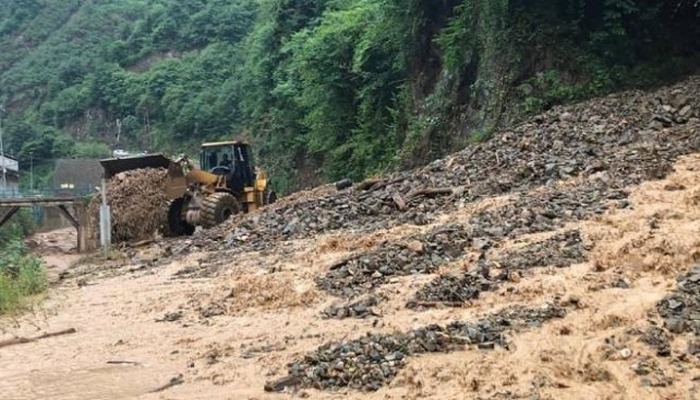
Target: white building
column 11, row 167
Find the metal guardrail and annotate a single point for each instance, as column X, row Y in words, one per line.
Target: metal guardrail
column 23, row 194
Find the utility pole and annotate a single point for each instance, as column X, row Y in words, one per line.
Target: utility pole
column 105, row 220
column 31, row 171
column 2, row 151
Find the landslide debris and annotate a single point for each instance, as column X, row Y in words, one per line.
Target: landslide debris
column 630, row 137
column 451, row 289
column 561, row 250
column 681, row 309
column 421, row 254
column 363, row 308
column 137, row 201
column 374, row 360
column 542, row 210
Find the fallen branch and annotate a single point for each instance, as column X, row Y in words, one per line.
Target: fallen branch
column 367, row 184
column 177, row 380
column 142, row 243
column 434, row 304
column 343, row 262
column 22, row 340
column 372, row 185
column 430, row 192
column 281, row 384
column 124, row 362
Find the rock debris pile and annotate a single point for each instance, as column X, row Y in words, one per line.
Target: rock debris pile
column 421, row 254
column 531, row 213
column 561, row 250
column 629, row 137
column 373, row 360
column 681, row 309
column 452, row 290
column 360, row 309
column 549, row 209
column 659, row 339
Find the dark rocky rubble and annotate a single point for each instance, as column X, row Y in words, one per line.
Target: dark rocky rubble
column 373, row 360
column 681, row 309
column 452, row 289
column 561, row 250
column 363, row 308
column 631, row 137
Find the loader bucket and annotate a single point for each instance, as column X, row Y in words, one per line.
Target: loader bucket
column 114, row 166
column 176, row 184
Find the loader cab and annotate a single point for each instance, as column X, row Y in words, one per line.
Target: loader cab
column 231, row 159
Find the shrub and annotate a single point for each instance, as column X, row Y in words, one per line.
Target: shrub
column 21, row 275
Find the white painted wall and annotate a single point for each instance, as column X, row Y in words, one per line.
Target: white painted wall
column 9, row 164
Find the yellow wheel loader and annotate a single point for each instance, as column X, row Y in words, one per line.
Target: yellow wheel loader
column 225, row 183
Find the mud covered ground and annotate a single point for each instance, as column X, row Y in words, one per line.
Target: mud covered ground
column 576, row 277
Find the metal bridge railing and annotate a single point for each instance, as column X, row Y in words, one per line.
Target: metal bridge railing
column 21, row 194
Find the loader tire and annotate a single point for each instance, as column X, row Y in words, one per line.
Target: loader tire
column 174, row 225
column 219, row 207
column 269, row 197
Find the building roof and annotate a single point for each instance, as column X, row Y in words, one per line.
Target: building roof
column 78, row 172
column 225, row 143
column 9, row 163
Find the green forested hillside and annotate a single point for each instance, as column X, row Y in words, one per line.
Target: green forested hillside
column 324, row 88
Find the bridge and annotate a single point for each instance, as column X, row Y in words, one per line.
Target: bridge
column 64, row 200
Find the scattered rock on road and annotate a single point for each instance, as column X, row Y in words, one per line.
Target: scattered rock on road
column 373, row 360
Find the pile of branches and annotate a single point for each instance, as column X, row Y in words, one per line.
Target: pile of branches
column 138, row 204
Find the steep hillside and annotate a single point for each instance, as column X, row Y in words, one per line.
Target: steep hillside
column 327, row 89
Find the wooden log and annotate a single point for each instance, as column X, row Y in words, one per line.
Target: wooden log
column 430, row 192
column 280, row 384
column 367, row 184
column 118, row 362
column 142, row 243
column 173, row 382
column 21, row 340
column 343, row 262
column 372, row 185
column 434, row 304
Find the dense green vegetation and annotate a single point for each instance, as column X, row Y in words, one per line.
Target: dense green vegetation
column 21, row 225
column 21, row 275
column 324, row 88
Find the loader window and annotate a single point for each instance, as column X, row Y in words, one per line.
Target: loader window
column 213, row 161
column 215, row 158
